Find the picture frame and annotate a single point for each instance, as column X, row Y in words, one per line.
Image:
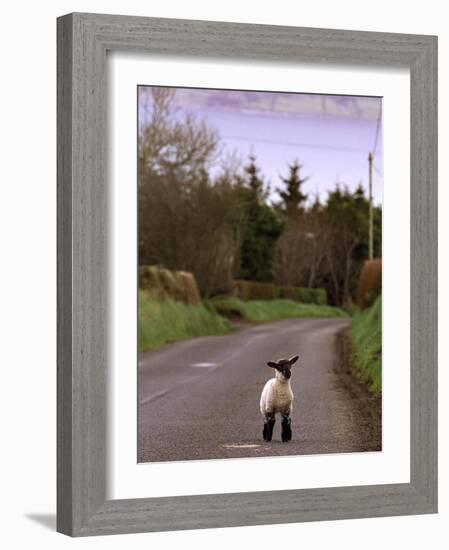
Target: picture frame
column 83, row 41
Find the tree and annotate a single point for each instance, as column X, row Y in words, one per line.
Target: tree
column 187, row 221
column 300, row 250
column 169, row 144
column 261, row 227
column 190, row 227
column 326, row 243
column 317, row 237
column 291, row 259
column 254, row 182
column 347, row 221
column 292, row 196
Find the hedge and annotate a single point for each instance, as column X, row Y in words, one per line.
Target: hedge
column 312, row 296
column 162, row 284
column 370, row 283
column 251, row 290
column 290, row 293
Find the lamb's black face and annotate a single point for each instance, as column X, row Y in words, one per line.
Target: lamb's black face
column 284, row 366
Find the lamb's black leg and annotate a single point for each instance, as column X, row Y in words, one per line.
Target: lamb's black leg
column 268, row 426
column 286, row 428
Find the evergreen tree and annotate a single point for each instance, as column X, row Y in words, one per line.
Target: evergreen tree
column 359, row 195
column 254, row 181
column 292, row 197
column 261, row 227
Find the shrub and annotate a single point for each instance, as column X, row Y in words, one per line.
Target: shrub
column 149, row 278
column 351, row 308
column 162, row 284
column 290, row 293
column 320, row 296
column 305, row 295
column 240, row 289
column 370, row 283
column 190, row 289
column 252, row 290
column 312, row 296
column 170, row 284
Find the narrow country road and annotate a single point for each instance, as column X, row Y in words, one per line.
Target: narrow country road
column 199, row 398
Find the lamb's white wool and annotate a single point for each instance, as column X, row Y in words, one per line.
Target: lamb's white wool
column 277, row 396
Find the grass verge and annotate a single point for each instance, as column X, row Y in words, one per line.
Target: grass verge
column 366, row 339
column 270, row 310
column 166, row 321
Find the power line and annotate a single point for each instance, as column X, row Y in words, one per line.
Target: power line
column 379, row 116
column 297, row 144
column 377, row 170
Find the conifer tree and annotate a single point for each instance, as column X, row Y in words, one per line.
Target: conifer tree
column 261, row 226
column 254, row 181
column 292, row 196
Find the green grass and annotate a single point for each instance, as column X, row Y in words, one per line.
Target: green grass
column 270, row 310
column 366, row 336
column 166, row 321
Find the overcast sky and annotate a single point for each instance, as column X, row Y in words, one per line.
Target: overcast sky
column 329, row 135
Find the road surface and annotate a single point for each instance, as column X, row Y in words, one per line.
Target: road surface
column 199, row 398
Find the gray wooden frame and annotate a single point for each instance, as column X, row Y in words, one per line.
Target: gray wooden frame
column 83, row 40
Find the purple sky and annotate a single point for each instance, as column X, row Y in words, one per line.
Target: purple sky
column 330, row 135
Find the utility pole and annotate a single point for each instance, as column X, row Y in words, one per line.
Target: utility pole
column 370, row 198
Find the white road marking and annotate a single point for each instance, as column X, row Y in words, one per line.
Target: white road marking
column 153, row 397
column 240, row 446
column 229, row 357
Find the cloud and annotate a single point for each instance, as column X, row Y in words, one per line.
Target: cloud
column 278, row 103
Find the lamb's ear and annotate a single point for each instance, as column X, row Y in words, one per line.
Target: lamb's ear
column 272, row 364
column 293, row 359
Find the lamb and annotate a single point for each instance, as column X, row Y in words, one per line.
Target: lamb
column 277, row 397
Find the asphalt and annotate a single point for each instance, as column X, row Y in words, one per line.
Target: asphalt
column 199, row 398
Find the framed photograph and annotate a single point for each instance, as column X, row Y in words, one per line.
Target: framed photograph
column 247, row 274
